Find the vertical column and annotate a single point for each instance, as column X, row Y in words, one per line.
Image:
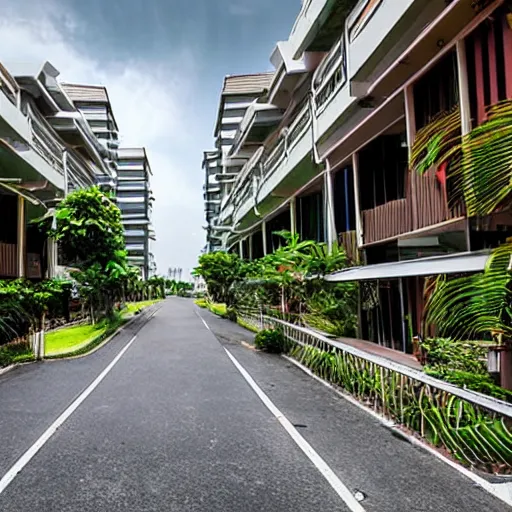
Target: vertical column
column 241, row 248
column 65, row 169
column 264, row 236
column 293, row 215
column 359, row 224
column 410, row 121
column 462, row 71
column 465, row 110
column 250, row 239
column 51, row 254
column 330, row 221
column 21, row 237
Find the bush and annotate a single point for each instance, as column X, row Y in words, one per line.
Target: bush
column 474, row 382
column 464, row 356
column 201, row 303
column 271, row 340
column 15, row 353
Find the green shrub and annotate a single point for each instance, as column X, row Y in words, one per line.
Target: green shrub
column 15, row 353
column 231, row 314
column 218, row 309
column 479, row 383
column 464, row 356
column 201, row 303
column 271, row 340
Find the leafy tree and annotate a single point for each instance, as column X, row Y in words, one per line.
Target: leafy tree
column 90, row 235
column 220, row 270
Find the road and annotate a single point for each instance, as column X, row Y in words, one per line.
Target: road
column 174, row 425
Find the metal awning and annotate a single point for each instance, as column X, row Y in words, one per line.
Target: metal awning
column 461, row 263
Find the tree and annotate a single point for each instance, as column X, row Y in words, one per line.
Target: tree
column 219, row 271
column 90, row 235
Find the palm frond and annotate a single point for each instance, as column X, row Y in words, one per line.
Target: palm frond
column 437, row 142
column 474, row 306
column 485, row 171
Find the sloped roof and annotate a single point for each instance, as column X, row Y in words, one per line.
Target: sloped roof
column 247, row 84
column 78, row 92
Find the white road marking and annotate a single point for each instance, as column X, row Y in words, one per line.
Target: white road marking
column 32, row 451
column 203, row 320
column 338, row 486
column 501, row 491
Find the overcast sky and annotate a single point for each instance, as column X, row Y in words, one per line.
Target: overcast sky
column 163, row 62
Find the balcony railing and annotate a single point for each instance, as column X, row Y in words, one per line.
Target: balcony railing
column 9, row 86
column 387, row 220
column 349, row 242
column 454, row 419
column 44, row 142
column 330, row 76
column 285, row 145
column 8, row 260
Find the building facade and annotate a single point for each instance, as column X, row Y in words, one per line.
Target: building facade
column 134, row 198
column 54, row 138
column 328, row 147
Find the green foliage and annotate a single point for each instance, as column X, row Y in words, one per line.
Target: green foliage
column 218, row 309
column 473, row 436
column 89, row 229
column 286, row 283
column 447, row 354
column 178, row 288
column 476, row 306
column 220, row 270
column 15, row 353
column 481, row 383
column 24, row 305
column 202, row 303
column 271, row 340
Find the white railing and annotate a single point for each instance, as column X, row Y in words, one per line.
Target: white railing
column 330, row 76
column 288, row 142
column 44, row 142
column 475, row 428
column 9, row 86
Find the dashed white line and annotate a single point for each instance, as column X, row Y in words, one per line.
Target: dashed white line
column 32, row 451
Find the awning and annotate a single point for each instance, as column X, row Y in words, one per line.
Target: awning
column 460, row 263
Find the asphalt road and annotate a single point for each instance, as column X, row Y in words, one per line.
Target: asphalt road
column 174, row 426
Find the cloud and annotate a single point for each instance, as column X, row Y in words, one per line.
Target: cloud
column 147, row 99
column 241, row 10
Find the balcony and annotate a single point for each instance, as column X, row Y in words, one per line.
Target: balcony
column 429, row 199
column 283, row 161
column 44, row 141
column 259, row 122
column 330, row 76
column 387, row 220
column 319, row 24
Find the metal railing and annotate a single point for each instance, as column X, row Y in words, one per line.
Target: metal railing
column 295, row 130
column 474, row 428
column 44, row 142
column 9, row 86
column 330, row 76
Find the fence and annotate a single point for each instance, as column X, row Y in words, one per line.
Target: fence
column 474, row 428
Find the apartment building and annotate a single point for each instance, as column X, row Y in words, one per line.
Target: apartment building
column 134, row 198
column 239, row 95
column 54, row 138
column 356, row 87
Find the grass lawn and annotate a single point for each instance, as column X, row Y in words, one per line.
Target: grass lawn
column 133, row 307
column 70, row 339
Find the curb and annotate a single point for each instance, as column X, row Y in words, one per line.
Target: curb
column 108, row 339
column 92, row 351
